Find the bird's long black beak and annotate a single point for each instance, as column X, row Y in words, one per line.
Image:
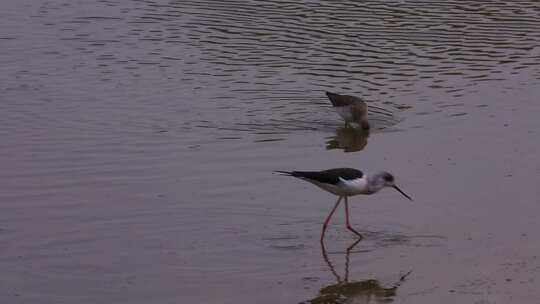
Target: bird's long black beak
column 399, row 190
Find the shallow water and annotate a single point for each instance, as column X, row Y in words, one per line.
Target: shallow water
column 138, row 140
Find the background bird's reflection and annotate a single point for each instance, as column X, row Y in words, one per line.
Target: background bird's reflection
column 348, row 139
column 344, row 291
column 353, row 139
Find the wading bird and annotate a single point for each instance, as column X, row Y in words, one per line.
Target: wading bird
column 345, row 182
column 352, row 109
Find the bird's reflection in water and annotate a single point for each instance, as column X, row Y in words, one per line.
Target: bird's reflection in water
column 348, row 139
column 345, row 292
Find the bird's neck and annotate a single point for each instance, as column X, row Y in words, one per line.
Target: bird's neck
column 374, row 184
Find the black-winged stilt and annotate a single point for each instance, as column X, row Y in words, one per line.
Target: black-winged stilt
column 345, row 182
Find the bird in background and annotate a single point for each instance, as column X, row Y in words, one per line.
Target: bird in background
column 345, row 182
column 352, row 109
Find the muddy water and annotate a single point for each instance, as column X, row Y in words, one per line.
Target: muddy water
column 137, row 141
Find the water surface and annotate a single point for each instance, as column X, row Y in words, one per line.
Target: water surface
column 138, row 140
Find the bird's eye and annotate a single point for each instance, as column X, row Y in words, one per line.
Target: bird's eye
column 389, row 178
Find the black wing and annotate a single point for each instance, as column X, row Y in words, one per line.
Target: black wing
column 330, row 176
column 342, row 100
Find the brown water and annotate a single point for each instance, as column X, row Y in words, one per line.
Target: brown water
column 137, row 141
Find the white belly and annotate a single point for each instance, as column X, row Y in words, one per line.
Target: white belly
column 346, row 187
column 345, row 113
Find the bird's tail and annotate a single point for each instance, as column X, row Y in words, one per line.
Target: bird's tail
column 286, row 173
column 333, row 98
column 340, row 100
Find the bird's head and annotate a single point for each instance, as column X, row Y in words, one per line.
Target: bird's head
column 385, row 179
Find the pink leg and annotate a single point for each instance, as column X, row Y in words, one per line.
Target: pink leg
column 347, row 219
column 328, row 218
